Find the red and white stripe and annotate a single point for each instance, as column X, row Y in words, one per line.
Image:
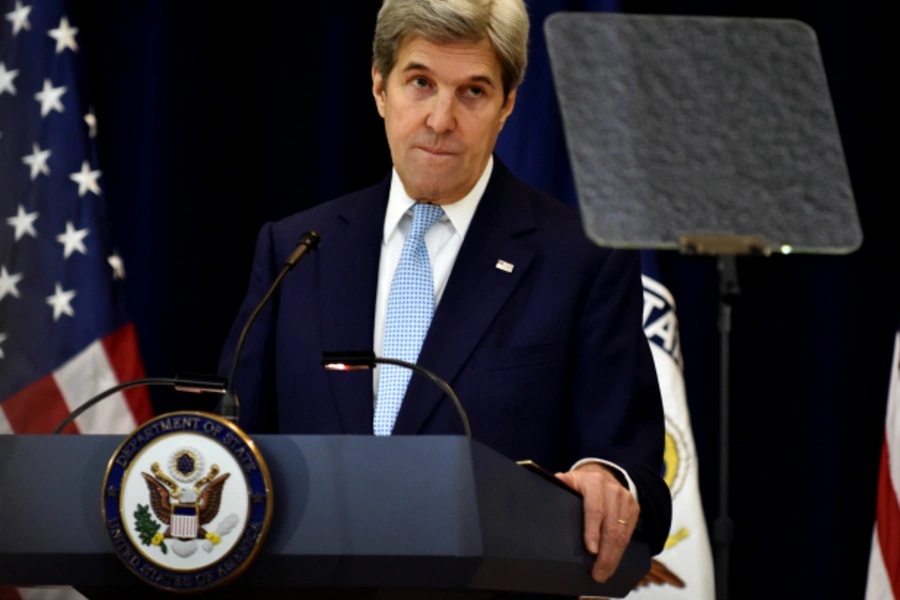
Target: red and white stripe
column 106, row 362
column 40, row 593
column 884, row 563
column 5, row 428
column 41, row 406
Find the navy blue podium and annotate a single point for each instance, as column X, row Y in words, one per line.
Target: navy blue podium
column 354, row 517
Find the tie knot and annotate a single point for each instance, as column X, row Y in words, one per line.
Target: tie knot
column 424, row 216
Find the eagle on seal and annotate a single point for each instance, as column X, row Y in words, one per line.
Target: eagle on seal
column 201, row 511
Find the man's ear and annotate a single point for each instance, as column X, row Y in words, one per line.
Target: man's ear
column 508, row 107
column 378, row 90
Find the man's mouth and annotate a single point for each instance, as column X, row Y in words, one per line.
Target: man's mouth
column 436, row 151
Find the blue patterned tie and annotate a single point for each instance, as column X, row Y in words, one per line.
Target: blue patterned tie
column 409, row 311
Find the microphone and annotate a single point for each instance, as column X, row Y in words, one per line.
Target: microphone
column 355, row 361
column 229, row 407
column 195, row 383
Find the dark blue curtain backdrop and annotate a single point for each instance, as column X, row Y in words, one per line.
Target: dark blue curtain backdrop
column 213, row 120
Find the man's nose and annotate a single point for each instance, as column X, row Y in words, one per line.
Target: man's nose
column 442, row 113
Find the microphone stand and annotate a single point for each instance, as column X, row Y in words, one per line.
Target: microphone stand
column 229, row 407
column 355, row 361
column 193, row 383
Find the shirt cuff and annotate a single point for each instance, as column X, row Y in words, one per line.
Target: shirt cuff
column 631, row 487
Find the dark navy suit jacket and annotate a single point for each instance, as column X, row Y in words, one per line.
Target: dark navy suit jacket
column 550, row 360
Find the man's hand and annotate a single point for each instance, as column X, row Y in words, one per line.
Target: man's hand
column 610, row 515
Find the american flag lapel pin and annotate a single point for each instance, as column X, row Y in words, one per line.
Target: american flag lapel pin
column 505, row 266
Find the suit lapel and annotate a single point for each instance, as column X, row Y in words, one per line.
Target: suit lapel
column 475, row 293
column 349, row 277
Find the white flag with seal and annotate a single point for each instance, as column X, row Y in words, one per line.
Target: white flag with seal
column 684, row 569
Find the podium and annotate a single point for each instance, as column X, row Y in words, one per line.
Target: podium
column 354, row 517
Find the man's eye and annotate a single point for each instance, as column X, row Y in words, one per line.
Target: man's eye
column 420, row 82
column 476, row 92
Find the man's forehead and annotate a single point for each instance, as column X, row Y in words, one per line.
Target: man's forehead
column 474, row 61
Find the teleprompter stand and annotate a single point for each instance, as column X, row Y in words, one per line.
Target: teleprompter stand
column 358, row 517
column 705, row 135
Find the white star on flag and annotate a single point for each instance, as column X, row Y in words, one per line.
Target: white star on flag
column 72, row 240
column 49, row 98
column 64, row 36
column 8, row 283
column 2, row 339
column 6, row 80
column 118, row 266
column 19, row 18
column 37, row 160
column 60, row 301
column 86, row 180
column 24, row 223
column 91, row 121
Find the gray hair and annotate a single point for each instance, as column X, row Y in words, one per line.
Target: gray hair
column 503, row 22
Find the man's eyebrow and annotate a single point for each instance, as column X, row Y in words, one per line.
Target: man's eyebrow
column 483, row 79
column 414, row 66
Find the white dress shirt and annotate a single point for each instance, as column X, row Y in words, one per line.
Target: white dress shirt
column 443, row 242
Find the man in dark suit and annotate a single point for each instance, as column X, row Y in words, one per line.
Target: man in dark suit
column 538, row 331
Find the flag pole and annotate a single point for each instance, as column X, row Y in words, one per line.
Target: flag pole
column 723, row 530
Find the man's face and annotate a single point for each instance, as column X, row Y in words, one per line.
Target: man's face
column 443, row 108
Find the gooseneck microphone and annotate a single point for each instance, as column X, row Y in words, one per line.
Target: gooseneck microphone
column 229, row 407
column 353, row 361
column 195, row 383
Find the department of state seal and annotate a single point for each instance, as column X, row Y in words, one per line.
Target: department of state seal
column 187, row 501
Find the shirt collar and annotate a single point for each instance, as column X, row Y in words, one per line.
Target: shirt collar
column 459, row 213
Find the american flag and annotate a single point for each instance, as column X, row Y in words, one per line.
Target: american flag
column 884, row 560
column 64, row 334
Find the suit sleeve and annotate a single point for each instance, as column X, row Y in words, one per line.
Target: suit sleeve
column 255, row 377
column 617, row 412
